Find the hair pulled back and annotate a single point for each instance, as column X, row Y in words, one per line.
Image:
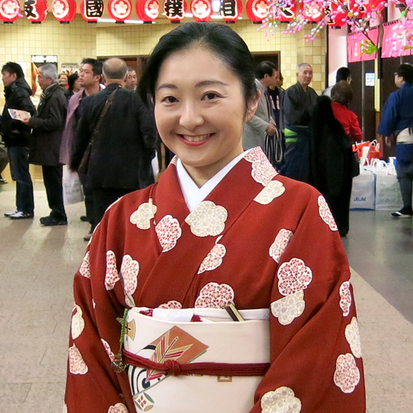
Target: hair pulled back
column 221, row 40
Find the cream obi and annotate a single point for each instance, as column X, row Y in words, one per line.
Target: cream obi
column 208, row 363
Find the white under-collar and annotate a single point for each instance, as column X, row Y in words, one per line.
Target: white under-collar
column 194, row 195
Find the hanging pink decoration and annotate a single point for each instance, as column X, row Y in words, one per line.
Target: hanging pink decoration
column 313, row 10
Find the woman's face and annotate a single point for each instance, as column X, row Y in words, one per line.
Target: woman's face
column 77, row 86
column 200, row 111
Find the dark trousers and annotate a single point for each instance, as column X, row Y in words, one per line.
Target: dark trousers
column 88, row 195
column 19, row 168
column 102, row 198
column 52, row 178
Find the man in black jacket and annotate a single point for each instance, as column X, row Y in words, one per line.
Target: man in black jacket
column 16, row 137
column 47, row 127
column 122, row 150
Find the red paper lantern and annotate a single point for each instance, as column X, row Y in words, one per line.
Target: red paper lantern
column 201, row 10
column 91, row 10
column 335, row 16
column 35, row 10
column 231, row 10
column 257, row 10
column 175, row 10
column 288, row 12
column 64, row 10
column 313, row 11
column 148, row 10
column 120, row 10
column 9, row 10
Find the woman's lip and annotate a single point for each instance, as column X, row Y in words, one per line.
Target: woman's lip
column 197, row 140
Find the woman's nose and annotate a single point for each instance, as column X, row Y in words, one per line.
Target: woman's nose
column 190, row 116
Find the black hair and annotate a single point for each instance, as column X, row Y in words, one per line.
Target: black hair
column 405, row 70
column 96, row 64
column 265, row 68
column 14, row 69
column 342, row 93
column 221, row 40
column 71, row 79
column 343, row 74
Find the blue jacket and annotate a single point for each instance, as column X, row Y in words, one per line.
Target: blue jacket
column 398, row 111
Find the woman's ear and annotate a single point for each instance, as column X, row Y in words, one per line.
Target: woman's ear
column 252, row 107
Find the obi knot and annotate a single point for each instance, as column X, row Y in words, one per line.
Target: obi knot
column 173, row 368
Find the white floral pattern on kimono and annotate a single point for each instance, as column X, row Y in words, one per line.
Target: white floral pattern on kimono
column 282, row 400
column 214, row 295
column 168, row 231
column 347, row 374
column 84, row 269
column 129, row 271
column 326, row 214
column 76, row 362
column 111, row 276
column 118, row 408
column 352, row 334
column 214, row 258
column 207, row 219
column 288, row 308
column 293, row 276
column 272, row 190
column 345, row 298
column 108, row 350
column 171, row 305
column 78, row 323
column 262, row 170
column 143, row 215
column 280, row 244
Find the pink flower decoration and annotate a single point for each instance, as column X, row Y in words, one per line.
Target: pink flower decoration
column 111, row 276
column 168, row 231
column 345, row 298
column 326, row 214
column 347, row 374
column 293, row 276
column 215, row 295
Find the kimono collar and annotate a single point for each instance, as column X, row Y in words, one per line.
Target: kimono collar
column 194, row 195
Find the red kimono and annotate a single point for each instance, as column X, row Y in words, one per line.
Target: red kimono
column 259, row 240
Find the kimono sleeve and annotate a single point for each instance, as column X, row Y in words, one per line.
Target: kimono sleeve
column 316, row 364
column 92, row 384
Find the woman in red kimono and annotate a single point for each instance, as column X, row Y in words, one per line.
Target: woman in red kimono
column 224, row 287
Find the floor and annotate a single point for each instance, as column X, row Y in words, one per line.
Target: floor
column 36, row 271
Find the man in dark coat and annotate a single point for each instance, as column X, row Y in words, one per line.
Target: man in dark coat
column 123, row 148
column 47, row 127
column 16, row 137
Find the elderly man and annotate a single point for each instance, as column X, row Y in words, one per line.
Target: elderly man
column 122, row 146
column 131, row 79
column 45, row 142
column 262, row 123
column 397, row 122
column 297, row 101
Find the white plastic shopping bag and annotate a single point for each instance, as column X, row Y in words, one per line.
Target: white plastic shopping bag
column 72, row 188
column 363, row 191
column 388, row 196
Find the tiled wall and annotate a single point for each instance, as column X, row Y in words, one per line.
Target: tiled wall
column 139, row 40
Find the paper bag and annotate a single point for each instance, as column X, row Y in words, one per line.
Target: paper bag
column 72, row 188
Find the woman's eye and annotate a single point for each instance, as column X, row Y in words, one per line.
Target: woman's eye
column 210, row 96
column 169, row 99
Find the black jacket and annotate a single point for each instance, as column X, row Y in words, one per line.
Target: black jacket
column 17, row 95
column 122, row 150
column 47, row 127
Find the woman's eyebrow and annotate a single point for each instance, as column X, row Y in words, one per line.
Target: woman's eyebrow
column 203, row 83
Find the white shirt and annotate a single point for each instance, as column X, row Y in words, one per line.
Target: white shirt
column 194, row 195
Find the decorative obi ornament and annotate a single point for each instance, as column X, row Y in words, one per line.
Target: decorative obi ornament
column 231, row 10
column 174, row 10
column 91, row 10
column 35, row 10
column 9, row 10
column 64, row 10
column 313, row 10
column 202, row 352
column 120, row 10
column 148, row 10
column 287, row 11
column 201, row 10
column 257, row 10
